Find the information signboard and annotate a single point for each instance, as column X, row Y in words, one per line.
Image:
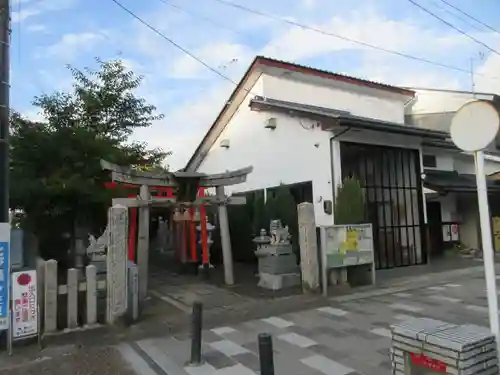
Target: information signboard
column 347, row 245
column 24, row 304
column 4, row 275
column 344, row 246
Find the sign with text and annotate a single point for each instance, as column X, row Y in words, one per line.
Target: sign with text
column 4, row 275
column 420, row 364
column 25, row 304
column 348, row 245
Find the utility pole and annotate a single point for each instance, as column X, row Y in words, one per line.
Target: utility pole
column 4, row 108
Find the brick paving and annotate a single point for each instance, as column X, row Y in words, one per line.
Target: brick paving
column 348, row 336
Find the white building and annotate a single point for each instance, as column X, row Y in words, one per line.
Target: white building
column 452, row 211
column 299, row 125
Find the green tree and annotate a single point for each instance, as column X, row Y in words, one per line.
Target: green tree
column 56, row 177
column 350, row 203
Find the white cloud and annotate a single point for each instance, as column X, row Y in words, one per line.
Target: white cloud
column 308, row 4
column 37, row 28
column 71, row 45
column 30, row 8
column 363, row 26
column 487, row 78
column 183, row 128
column 221, row 56
column 33, row 114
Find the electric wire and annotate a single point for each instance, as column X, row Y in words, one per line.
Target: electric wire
column 351, row 40
column 172, row 42
column 424, row 9
column 471, row 16
column 202, row 17
column 455, row 15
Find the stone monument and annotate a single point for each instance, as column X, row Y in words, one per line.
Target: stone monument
column 426, row 346
column 276, row 261
column 116, row 263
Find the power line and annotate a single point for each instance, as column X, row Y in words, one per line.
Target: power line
column 178, row 46
column 202, row 17
column 454, row 27
column 347, row 39
column 457, row 16
column 470, row 16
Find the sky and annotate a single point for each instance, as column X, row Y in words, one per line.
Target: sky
column 47, row 35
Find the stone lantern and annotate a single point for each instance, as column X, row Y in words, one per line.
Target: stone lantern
column 276, row 261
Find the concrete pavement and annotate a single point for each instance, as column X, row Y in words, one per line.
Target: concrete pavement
column 347, row 336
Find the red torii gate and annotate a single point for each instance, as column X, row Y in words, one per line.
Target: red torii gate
column 184, row 190
column 163, row 192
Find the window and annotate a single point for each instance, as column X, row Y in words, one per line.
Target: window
column 429, row 161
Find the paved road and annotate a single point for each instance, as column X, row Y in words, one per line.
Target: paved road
column 66, row 360
column 349, row 336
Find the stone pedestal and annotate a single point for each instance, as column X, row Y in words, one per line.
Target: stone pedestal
column 277, row 266
column 428, row 346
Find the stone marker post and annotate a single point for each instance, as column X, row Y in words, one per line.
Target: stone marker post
column 72, row 300
column 50, row 298
column 143, row 244
column 117, row 262
column 227, row 253
column 308, row 247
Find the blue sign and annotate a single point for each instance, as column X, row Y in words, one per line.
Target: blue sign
column 4, row 285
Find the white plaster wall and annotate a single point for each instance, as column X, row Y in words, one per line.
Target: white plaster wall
column 295, row 151
column 381, row 107
column 291, row 153
column 465, row 164
column 448, row 207
column 469, row 213
column 428, row 101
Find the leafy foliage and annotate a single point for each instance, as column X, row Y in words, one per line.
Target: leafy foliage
column 56, row 177
column 350, row 203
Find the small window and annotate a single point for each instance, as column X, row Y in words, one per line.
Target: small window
column 429, row 161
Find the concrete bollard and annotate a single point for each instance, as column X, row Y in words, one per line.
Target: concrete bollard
column 196, row 328
column 266, row 354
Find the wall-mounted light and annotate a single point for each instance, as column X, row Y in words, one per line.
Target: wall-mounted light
column 271, row 123
column 224, row 143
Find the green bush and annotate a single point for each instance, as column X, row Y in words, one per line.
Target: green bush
column 283, row 207
column 350, row 203
column 240, row 229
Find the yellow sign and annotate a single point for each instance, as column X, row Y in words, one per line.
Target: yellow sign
column 351, row 240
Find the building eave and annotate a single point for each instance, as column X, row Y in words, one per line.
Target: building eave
column 330, row 118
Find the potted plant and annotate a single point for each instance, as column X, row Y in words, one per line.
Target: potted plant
column 349, row 210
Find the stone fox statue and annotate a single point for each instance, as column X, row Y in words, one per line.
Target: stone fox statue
column 278, row 233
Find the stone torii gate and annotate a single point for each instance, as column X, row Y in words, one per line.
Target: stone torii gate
column 185, row 190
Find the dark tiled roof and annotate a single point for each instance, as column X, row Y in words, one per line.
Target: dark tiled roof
column 452, row 181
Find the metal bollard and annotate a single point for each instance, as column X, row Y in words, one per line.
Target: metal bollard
column 196, row 327
column 266, row 354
